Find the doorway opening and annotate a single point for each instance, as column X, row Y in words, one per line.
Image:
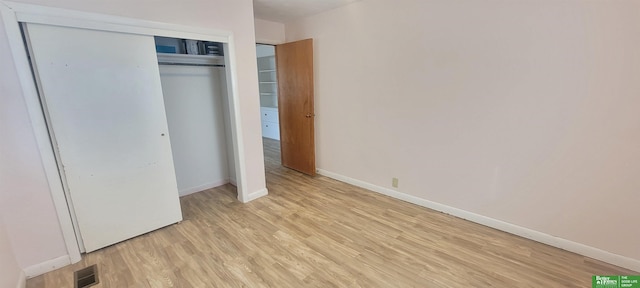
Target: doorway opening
column 287, row 102
column 268, row 89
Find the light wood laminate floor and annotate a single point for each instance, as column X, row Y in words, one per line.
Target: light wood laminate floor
column 318, row 232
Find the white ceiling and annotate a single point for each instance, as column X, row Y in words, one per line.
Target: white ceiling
column 287, row 10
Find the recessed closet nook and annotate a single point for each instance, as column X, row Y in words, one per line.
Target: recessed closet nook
column 196, row 103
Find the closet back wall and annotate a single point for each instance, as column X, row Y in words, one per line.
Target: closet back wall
column 195, row 113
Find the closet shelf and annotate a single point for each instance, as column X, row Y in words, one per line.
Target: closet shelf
column 265, row 71
column 268, row 82
column 190, row 59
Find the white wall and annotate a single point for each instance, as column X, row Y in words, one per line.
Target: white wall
column 33, row 228
column 269, row 32
column 522, row 111
column 10, row 272
column 193, row 101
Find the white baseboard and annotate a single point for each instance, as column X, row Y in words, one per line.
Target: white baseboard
column 255, row 195
column 22, row 280
column 575, row 247
column 191, row 190
column 47, row 266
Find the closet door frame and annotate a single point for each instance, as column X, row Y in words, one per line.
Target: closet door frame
column 15, row 13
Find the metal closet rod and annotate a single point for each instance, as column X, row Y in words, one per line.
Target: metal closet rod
column 189, row 64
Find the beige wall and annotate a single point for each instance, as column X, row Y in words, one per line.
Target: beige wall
column 32, row 223
column 269, row 32
column 522, row 111
column 10, row 272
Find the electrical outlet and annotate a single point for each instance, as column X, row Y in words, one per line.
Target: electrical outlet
column 394, row 182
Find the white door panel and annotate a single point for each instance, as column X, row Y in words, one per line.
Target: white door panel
column 104, row 101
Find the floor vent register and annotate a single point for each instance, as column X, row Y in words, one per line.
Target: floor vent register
column 86, row 277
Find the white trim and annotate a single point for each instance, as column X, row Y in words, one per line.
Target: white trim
column 265, row 41
column 255, row 195
column 22, row 280
column 199, row 188
column 12, row 13
column 575, row 247
column 236, row 121
column 40, row 130
column 46, row 266
column 77, row 19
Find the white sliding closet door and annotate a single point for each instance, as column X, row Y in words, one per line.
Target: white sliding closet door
column 103, row 97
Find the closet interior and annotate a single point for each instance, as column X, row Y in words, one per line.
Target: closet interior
column 134, row 120
column 192, row 74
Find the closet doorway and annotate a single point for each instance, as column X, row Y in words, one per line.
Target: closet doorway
column 131, row 125
column 192, row 74
column 94, row 93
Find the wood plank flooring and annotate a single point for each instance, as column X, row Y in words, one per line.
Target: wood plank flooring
column 318, row 232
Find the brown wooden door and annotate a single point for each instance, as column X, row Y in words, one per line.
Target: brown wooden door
column 294, row 62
